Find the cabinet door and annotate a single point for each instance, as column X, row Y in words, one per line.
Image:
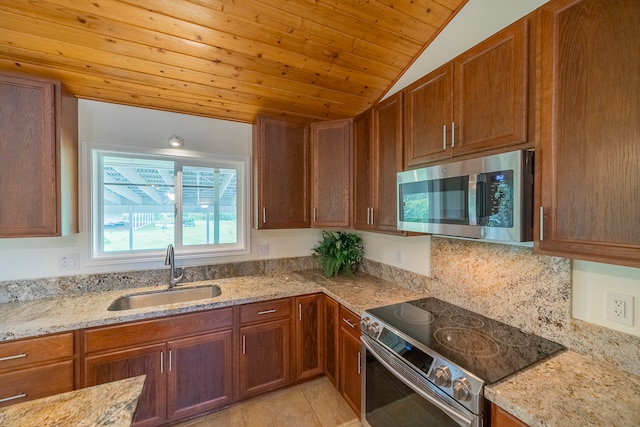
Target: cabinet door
column 331, row 171
column 281, row 153
column 428, row 116
column 200, row 374
column 21, row 385
column 28, row 161
column 388, row 144
column 501, row 418
column 490, row 92
column 350, row 369
column 589, row 157
column 309, row 336
column 331, row 334
column 264, row 357
column 149, row 361
column 363, row 170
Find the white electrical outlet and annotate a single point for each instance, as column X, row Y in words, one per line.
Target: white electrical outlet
column 68, row 262
column 620, row 308
column 263, row 249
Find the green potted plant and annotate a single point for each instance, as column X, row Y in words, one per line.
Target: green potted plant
column 339, row 251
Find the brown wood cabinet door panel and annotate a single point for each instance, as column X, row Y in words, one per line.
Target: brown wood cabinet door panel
column 388, row 142
column 151, row 361
column 331, row 170
column 501, row 418
column 282, row 156
column 363, row 170
column 350, row 369
column 28, row 187
column 21, row 353
column 589, row 179
column 309, row 351
column 33, row 383
column 264, row 357
column 331, row 337
column 491, row 91
column 428, row 115
column 138, row 333
column 200, row 374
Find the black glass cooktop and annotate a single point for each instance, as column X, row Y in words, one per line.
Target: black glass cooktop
column 489, row 349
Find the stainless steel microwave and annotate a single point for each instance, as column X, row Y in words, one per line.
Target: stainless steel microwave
column 487, row 198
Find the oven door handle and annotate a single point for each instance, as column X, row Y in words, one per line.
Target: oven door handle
column 433, row 399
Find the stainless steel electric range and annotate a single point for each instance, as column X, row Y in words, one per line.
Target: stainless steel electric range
column 426, row 363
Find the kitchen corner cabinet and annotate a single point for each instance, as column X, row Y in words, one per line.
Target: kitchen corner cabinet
column 377, row 159
column 501, row 418
column 36, row 367
column 309, row 333
column 331, row 171
column 265, row 346
column 281, row 172
column 350, row 382
column 588, row 165
column 477, row 102
column 39, row 161
column 187, row 360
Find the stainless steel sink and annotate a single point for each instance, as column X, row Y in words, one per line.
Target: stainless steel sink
column 150, row 299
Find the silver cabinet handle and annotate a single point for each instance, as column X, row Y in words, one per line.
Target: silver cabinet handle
column 541, row 223
column 300, row 312
column 453, row 134
column 260, row 313
column 348, row 323
column 244, row 344
column 162, row 362
column 17, row 396
column 359, row 363
column 368, row 216
column 264, row 215
column 372, row 220
column 444, row 137
column 170, row 364
column 314, row 214
column 16, row 356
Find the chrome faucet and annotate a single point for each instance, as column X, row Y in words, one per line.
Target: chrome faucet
column 170, row 260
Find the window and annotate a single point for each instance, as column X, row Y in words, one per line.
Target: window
column 143, row 201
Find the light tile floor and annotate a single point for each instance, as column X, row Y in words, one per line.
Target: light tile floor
column 313, row 404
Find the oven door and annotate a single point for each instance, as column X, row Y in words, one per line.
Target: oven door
column 394, row 395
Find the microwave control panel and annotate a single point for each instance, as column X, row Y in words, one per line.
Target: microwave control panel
column 498, row 199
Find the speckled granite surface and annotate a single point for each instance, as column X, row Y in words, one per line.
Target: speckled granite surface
column 112, row 404
column 570, row 390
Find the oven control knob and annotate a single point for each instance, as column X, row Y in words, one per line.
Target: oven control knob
column 461, row 389
column 375, row 328
column 442, row 376
column 364, row 324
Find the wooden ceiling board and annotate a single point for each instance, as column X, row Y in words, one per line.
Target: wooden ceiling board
column 228, row 59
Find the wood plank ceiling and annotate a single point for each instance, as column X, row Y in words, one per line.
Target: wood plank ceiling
column 228, row 59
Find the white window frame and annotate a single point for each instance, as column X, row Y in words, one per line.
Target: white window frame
column 92, row 207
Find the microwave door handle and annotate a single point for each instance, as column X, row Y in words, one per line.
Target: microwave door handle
column 472, row 199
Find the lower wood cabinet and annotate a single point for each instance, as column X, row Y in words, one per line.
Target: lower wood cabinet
column 331, row 333
column 36, row 367
column 309, row 331
column 501, row 418
column 265, row 346
column 350, row 384
column 188, row 361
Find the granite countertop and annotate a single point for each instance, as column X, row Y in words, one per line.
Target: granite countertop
column 570, row 390
column 112, row 404
column 565, row 391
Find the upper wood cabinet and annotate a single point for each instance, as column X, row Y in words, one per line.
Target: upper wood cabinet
column 477, row 102
column 331, row 172
column 39, row 161
column 281, row 172
column 588, row 165
column 377, row 159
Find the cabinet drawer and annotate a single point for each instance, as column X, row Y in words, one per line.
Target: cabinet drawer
column 350, row 322
column 264, row 311
column 34, row 383
column 151, row 331
column 21, row 353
